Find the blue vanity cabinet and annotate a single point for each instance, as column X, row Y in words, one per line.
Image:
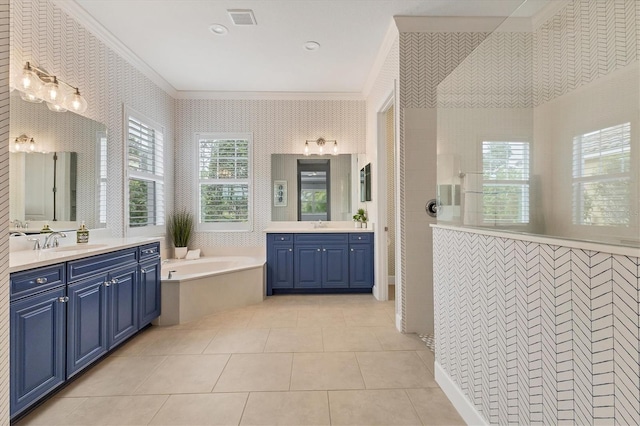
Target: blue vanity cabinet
column 87, row 322
column 321, row 261
column 103, row 305
column 122, row 305
column 279, row 262
column 361, row 260
column 308, row 266
column 335, row 266
column 37, row 335
column 149, row 291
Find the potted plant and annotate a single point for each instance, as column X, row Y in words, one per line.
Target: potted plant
column 180, row 226
column 360, row 218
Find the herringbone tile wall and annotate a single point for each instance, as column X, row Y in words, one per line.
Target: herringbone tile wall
column 538, row 334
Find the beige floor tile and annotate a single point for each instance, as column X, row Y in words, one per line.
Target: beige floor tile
column 238, row 340
column 433, row 407
column 367, row 318
column 137, row 344
column 294, row 340
column 116, row 410
column 235, row 319
column 184, row 374
column 349, row 339
column 256, row 372
column 274, row 318
column 326, row 371
column 320, row 317
column 53, row 412
column 114, row 376
column 429, row 359
column 286, row 408
column 201, row 409
column 180, row 342
column 372, row 407
column 392, row 340
column 394, row 369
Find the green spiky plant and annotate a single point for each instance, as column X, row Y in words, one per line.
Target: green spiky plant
column 360, row 216
column 180, row 227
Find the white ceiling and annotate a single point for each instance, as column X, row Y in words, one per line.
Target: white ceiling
column 172, row 37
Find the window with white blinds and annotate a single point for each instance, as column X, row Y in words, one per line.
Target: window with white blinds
column 102, row 178
column 505, row 183
column 145, row 172
column 602, row 177
column 224, row 182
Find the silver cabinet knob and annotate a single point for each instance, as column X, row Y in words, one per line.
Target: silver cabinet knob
column 107, row 283
column 324, row 249
column 351, row 249
column 42, row 280
column 64, row 299
column 290, row 249
column 144, row 271
column 114, row 281
column 318, row 249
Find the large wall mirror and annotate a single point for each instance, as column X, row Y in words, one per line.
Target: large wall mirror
column 63, row 179
column 311, row 189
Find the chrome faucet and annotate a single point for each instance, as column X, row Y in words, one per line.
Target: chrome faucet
column 17, row 234
column 51, row 240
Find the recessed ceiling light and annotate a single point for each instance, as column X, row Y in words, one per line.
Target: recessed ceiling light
column 311, row 46
column 218, row 29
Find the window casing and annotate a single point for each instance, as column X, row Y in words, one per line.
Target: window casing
column 602, row 177
column 145, row 175
column 102, row 178
column 505, row 183
column 224, row 183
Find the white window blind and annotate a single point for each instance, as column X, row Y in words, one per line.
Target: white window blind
column 146, row 173
column 224, row 182
column 505, row 182
column 602, row 177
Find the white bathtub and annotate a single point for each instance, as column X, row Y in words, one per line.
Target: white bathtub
column 209, row 285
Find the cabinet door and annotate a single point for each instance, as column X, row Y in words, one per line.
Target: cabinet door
column 37, row 347
column 308, row 266
column 361, row 265
column 122, row 305
column 335, row 266
column 86, row 323
column 281, row 266
column 149, row 295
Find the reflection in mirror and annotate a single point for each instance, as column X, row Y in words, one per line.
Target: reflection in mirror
column 314, row 190
column 336, row 199
column 75, row 139
column 50, row 182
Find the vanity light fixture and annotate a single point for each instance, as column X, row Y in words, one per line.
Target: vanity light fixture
column 37, row 85
column 24, row 143
column 321, row 142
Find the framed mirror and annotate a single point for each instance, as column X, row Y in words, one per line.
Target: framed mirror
column 80, row 177
column 314, row 188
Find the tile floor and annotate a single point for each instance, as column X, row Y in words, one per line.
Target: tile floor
column 291, row 360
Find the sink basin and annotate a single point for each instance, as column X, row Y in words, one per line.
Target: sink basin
column 78, row 247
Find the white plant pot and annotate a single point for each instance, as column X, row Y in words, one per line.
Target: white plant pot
column 180, row 252
column 364, row 225
column 357, row 224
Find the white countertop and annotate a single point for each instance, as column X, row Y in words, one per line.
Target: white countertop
column 298, row 230
column 28, row 259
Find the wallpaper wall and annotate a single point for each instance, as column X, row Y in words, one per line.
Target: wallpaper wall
column 4, row 212
column 43, row 34
column 278, row 126
column 535, row 333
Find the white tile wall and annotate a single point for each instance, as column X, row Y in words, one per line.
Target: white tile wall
column 537, row 333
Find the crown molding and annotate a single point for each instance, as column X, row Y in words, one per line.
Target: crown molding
column 548, row 12
column 447, row 24
column 78, row 13
column 387, row 44
column 283, row 96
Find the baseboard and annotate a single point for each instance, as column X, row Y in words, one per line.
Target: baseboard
column 465, row 408
column 399, row 322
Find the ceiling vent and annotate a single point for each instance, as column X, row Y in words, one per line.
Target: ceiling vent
column 242, row 16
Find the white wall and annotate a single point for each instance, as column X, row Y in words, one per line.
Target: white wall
column 278, row 127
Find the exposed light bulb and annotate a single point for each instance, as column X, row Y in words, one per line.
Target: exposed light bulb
column 55, row 107
column 75, row 102
column 16, row 146
column 29, row 97
column 32, row 145
column 306, row 148
column 321, row 150
column 335, row 148
column 51, row 91
column 29, row 81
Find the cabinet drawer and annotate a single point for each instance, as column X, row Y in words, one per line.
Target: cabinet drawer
column 33, row 281
column 89, row 266
column 360, row 237
column 148, row 251
column 337, row 238
column 280, row 238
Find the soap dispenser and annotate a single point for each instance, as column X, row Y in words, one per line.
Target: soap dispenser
column 82, row 234
column 45, row 229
